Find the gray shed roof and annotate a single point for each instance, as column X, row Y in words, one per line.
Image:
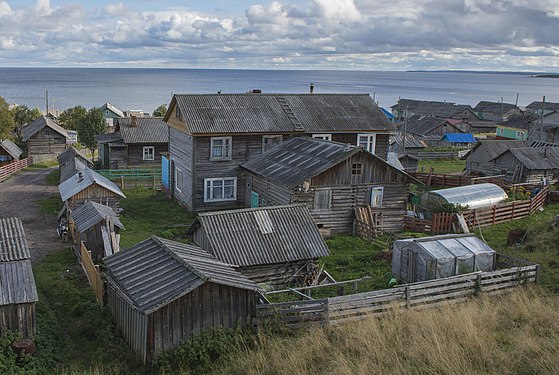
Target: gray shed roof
column 17, row 284
column 299, row 159
column 13, row 245
column 156, row 272
column 33, row 127
column 265, row 235
column 280, row 113
column 70, row 153
column 148, row 130
column 536, row 158
column 495, row 107
column 91, row 213
column 11, row 148
column 412, row 141
column 430, row 108
column 71, row 168
column 84, row 179
column 421, row 125
column 108, row 137
column 486, row 150
column 537, row 106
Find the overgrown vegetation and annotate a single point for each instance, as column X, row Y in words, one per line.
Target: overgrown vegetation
column 450, row 208
column 53, row 178
column 442, row 166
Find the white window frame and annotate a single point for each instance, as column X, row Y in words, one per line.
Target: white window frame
column 519, row 134
column 150, row 155
column 179, row 180
column 369, row 144
column 209, row 184
column 264, row 144
column 226, row 146
column 377, row 191
column 324, row 137
column 329, row 191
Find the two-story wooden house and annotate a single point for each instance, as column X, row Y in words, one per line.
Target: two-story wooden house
column 211, row 135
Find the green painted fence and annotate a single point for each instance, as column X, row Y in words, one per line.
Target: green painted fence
column 133, row 177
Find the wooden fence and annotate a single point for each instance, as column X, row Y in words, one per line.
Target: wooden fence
column 450, row 180
column 92, row 273
column 16, row 166
column 134, row 177
column 421, row 295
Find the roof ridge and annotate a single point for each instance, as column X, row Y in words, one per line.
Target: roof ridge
column 250, row 209
column 179, row 259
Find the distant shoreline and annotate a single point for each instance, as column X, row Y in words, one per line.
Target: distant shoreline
column 546, row 76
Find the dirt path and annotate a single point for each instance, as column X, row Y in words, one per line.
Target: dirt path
column 18, row 198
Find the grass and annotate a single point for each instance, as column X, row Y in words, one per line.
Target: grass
column 53, row 178
column 148, row 212
column 442, row 166
column 42, row 165
column 50, row 205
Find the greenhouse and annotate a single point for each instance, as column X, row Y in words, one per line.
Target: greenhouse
column 472, row 196
column 420, row 259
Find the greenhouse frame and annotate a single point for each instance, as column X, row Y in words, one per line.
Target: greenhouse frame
column 472, row 196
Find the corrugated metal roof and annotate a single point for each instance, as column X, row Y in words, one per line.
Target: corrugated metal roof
column 431, row 108
column 84, row 179
column 421, row 125
column 91, row 213
column 235, row 236
column 30, row 129
column 13, row 245
column 11, row 148
column 17, row 284
column 148, row 130
column 299, row 159
column 486, row 150
column 70, row 153
column 156, row 272
column 108, row 137
column 495, row 107
column 537, row 106
column 474, row 196
column 459, row 138
column 411, row 142
column 281, row 113
column 537, row 158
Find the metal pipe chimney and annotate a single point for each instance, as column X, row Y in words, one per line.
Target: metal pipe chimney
column 311, row 88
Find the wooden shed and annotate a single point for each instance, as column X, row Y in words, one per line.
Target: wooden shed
column 18, row 293
column 269, row 245
column 89, row 185
column 530, row 165
column 45, row 139
column 98, row 227
column 162, row 292
column 9, row 152
column 71, row 161
column 331, row 179
column 480, row 158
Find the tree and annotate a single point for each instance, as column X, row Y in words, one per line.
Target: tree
column 90, row 125
column 70, row 118
column 7, row 122
column 23, row 115
column 160, row 111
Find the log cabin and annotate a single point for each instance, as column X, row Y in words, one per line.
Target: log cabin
column 45, row 139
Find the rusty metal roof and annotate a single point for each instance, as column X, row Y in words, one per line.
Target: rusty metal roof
column 13, row 245
column 148, row 130
column 280, row 113
column 156, row 272
column 265, row 235
column 91, row 213
column 83, row 179
column 11, row 148
column 17, row 284
column 33, row 127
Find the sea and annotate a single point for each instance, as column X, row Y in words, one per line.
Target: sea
column 146, row 88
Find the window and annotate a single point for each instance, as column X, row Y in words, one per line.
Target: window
column 178, row 113
column 520, row 135
column 178, row 180
column 47, row 133
column 322, row 199
column 149, row 153
column 324, row 137
column 356, row 169
column 270, row 141
column 220, row 189
column 220, row 148
column 377, row 193
column 367, row 141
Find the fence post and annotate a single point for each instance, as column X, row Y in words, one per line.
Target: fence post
column 537, row 274
column 408, row 297
column 479, row 287
column 122, row 182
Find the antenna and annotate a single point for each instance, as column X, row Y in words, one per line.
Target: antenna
column 516, row 102
column 405, row 131
column 541, row 119
column 47, row 101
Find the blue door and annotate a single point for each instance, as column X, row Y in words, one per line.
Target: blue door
column 254, row 199
column 165, row 171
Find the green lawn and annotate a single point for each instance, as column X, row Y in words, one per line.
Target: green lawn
column 442, row 166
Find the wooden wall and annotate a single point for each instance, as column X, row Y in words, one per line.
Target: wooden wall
column 181, row 148
column 43, row 144
column 381, row 145
column 18, row 317
column 277, row 274
column 97, row 194
column 132, row 156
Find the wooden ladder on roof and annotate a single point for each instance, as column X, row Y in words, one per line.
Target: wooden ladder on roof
column 289, row 112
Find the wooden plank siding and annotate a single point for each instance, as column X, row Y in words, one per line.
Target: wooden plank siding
column 96, row 194
column 45, row 144
column 19, row 317
column 131, row 156
column 278, row 273
column 181, row 148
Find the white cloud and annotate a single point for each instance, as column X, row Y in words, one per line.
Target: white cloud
column 339, row 10
column 5, row 9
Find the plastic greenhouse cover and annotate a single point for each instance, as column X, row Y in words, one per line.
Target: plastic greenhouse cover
column 475, row 196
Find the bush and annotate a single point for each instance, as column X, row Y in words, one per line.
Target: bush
column 451, row 208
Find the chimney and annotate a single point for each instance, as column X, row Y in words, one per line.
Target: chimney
column 545, row 152
column 312, row 88
column 133, row 121
column 256, row 91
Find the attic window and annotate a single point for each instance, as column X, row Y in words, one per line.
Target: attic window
column 356, row 169
column 264, row 223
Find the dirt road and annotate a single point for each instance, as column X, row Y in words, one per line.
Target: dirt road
column 18, row 198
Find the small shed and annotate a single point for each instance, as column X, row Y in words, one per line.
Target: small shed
column 473, row 196
column 9, row 152
column 18, row 293
column 45, row 139
column 89, row 185
column 98, row 227
column 420, row 259
column 162, row 292
column 269, row 245
column 527, row 164
column 71, row 161
column 480, row 158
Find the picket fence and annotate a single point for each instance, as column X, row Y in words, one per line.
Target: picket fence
column 15, row 166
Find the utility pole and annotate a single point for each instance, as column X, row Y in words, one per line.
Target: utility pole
column 541, row 120
column 47, row 102
column 405, row 131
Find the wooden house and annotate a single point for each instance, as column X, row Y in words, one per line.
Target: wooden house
column 18, row 293
column 442, row 110
column 269, row 245
column 515, row 128
column 136, row 142
column 536, row 107
column 480, row 161
column 331, row 179
column 9, row 152
column 162, row 292
column 88, row 185
column 413, row 144
column 111, row 113
column 45, row 139
column 70, row 161
column 430, row 129
column 530, row 165
column 211, row 135
column 496, row 111
column 98, row 227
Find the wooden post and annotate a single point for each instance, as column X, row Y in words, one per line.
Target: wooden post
column 537, row 274
column 154, row 181
column 494, row 212
column 408, row 297
column 479, row 288
column 512, row 212
column 122, row 182
column 354, row 287
column 340, row 290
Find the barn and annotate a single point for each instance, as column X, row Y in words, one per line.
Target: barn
column 162, row 292
column 45, row 139
column 18, row 293
column 269, row 245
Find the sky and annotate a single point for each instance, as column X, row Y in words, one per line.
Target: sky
column 495, row 35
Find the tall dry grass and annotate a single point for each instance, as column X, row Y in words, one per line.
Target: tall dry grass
column 517, row 333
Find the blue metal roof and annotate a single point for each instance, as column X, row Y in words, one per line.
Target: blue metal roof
column 387, row 113
column 459, row 138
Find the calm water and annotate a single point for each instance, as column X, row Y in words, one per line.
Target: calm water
column 145, row 89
